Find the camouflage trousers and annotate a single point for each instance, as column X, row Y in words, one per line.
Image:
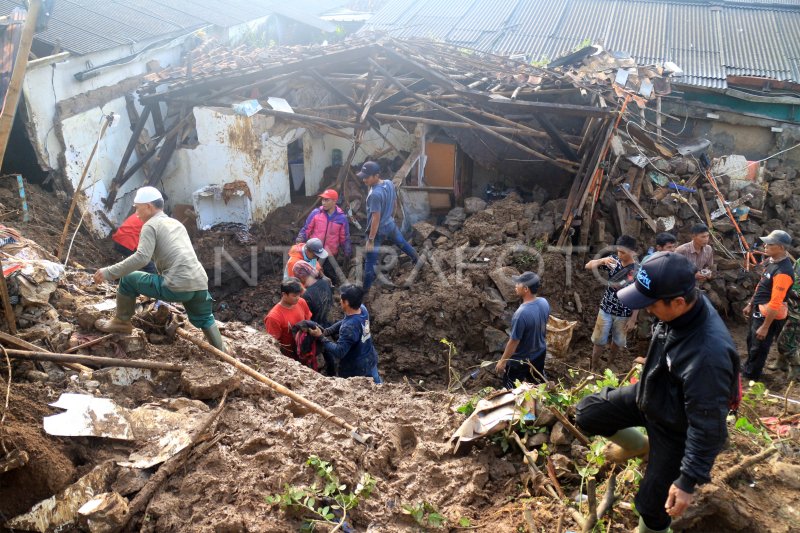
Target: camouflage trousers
column 789, row 347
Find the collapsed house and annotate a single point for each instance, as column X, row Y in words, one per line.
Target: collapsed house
column 92, row 56
column 598, row 171
column 257, row 127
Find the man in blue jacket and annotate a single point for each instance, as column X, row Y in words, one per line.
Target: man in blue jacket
column 689, row 382
column 381, row 227
column 353, row 350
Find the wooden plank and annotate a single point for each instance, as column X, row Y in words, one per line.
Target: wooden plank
column 558, row 140
column 158, row 119
column 705, row 208
column 10, row 340
column 132, row 142
column 11, row 98
column 11, row 318
column 452, row 124
column 647, row 218
column 93, row 360
column 480, row 126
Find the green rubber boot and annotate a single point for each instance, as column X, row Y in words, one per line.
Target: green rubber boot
column 121, row 323
column 644, row 529
column 214, row 338
column 626, row 444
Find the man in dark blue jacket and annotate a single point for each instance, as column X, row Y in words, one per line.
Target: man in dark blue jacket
column 688, row 384
column 353, row 350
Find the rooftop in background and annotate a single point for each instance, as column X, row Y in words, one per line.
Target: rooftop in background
column 708, row 40
column 85, row 26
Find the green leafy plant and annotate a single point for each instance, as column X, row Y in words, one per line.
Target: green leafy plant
column 541, row 63
column 426, row 515
column 468, row 408
column 755, row 394
column 321, row 504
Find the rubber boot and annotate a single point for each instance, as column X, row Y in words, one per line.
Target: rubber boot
column 214, row 338
column 780, row 363
column 121, row 323
column 626, row 444
column 644, row 529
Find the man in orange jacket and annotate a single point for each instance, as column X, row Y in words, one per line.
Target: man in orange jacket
column 767, row 309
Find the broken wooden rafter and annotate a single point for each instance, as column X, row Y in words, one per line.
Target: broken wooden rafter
column 132, row 142
column 650, row 222
column 559, row 164
column 557, row 139
column 363, row 111
column 451, row 124
column 92, row 360
column 11, row 340
column 310, row 119
column 117, row 183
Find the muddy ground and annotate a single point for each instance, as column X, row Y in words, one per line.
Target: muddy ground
column 264, row 439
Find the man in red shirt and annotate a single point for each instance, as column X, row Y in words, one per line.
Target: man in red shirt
column 126, row 240
column 286, row 313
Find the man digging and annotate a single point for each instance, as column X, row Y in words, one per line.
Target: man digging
column 183, row 279
column 689, row 382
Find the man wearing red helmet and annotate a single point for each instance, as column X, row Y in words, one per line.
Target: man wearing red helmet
column 329, row 224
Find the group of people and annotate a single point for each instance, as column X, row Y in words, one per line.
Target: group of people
column 312, row 271
column 691, row 374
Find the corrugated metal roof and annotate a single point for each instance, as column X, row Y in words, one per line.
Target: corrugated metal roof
column 86, row 26
column 709, row 40
column 646, row 30
column 752, row 45
column 530, row 27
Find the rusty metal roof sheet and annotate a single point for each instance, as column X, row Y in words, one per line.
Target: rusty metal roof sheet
column 708, row 40
column 86, row 26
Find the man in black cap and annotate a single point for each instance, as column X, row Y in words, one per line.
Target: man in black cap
column 523, row 358
column 381, row 226
column 767, row 310
column 687, row 386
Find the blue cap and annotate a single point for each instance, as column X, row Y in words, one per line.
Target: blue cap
column 370, row 168
column 664, row 275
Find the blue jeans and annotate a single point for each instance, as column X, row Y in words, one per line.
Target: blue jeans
column 375, row 376
column 392, row 236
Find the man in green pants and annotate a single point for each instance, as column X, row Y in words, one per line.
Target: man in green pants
column 182, row 278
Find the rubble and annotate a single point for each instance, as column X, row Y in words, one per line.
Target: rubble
column 626, row 179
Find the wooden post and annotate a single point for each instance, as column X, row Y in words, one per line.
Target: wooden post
column 11, row 318
column 77, row 193
column 9, row 110
column 7, row 115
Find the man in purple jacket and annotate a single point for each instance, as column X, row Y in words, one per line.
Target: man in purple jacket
column 329, row 224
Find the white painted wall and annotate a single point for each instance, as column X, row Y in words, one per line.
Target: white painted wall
column 82, row 132
column 47, row 84
column 318, row 150
column 233, row 147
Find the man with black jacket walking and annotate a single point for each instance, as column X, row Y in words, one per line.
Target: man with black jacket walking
column 688, row 384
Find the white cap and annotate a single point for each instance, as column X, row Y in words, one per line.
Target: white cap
column 145, row 195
